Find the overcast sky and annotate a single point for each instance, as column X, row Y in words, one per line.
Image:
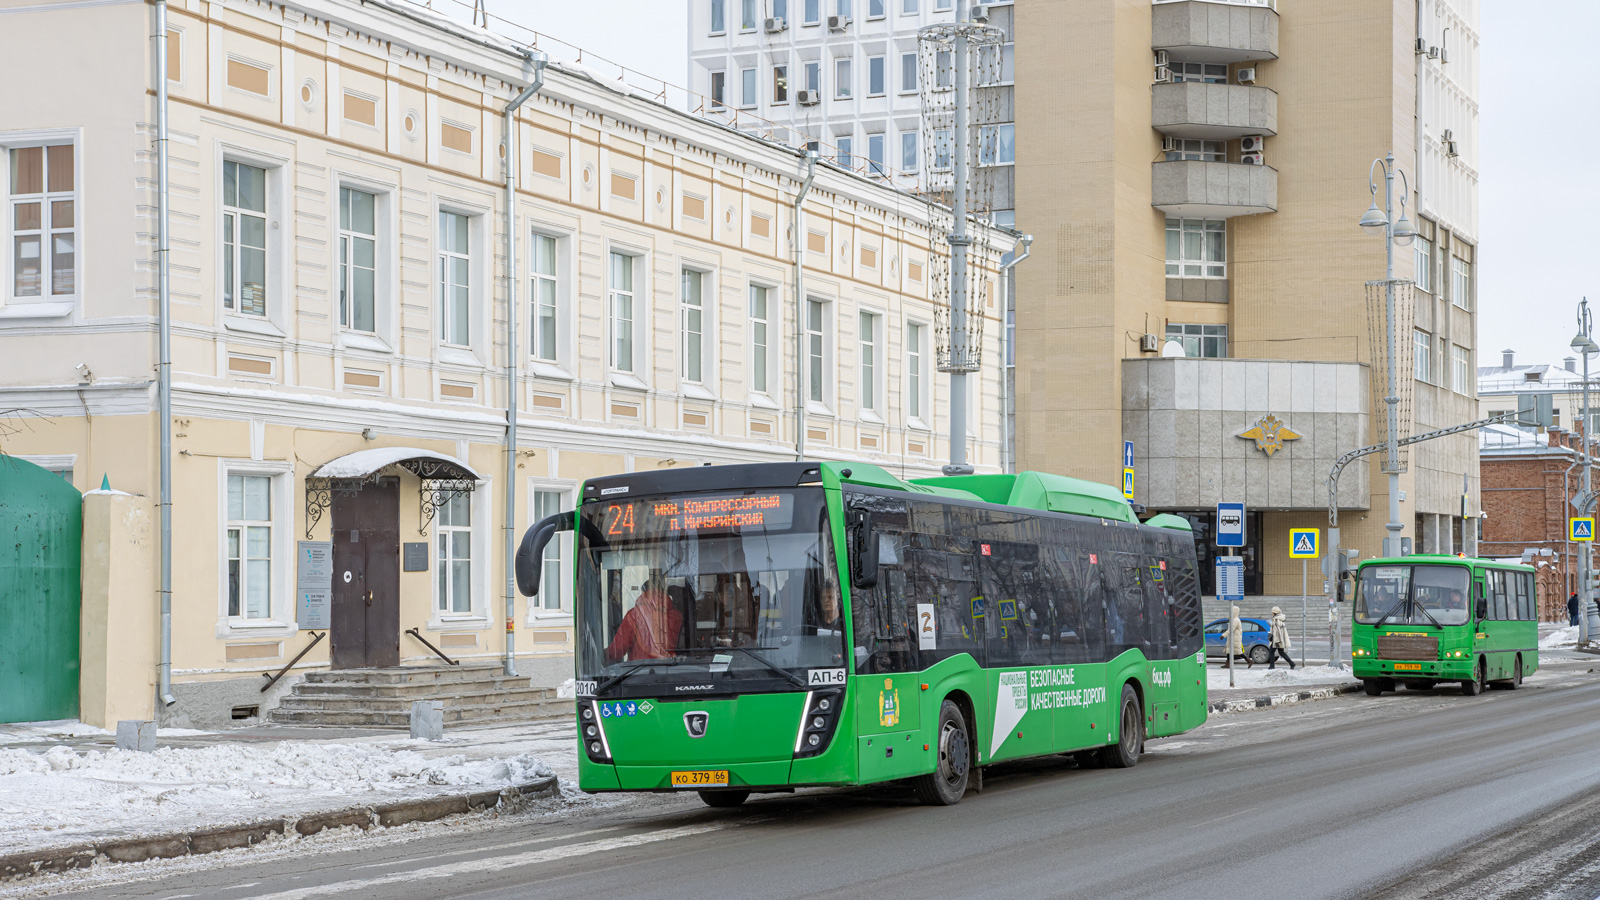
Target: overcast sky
column 1538, row 183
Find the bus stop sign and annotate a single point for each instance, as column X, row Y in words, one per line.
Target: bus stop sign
column 1230, row 524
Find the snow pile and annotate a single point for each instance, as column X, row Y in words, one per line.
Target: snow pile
column 1561, row 637
column 1281, row 677
column 62, row 795
column 567, row 690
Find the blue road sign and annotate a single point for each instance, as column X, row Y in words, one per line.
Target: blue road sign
column 1230, row 524
column 1230, row 578
column 1580, row 528
column 1127, row 454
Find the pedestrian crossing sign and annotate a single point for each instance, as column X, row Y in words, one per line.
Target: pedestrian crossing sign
column 1580, row 528
column 1127, row 483
column 1303, row 543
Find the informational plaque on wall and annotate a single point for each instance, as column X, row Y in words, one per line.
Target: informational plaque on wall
column 414, row 557
column 314, row 586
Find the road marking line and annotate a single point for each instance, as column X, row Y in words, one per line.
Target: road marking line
column 1221, row 818
column 413, row 860
column 492, row 864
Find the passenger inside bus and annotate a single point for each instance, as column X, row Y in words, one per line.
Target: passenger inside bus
column 650, row 629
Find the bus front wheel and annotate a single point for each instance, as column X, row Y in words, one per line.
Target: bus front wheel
column 1124, row 754
column 948, row 781
column 724, row 799
column 1474, row 687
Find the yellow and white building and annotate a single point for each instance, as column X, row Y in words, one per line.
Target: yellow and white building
column 338, row 296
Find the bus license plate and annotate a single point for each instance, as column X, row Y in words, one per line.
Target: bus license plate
column 700, row 778
column 1408, row 667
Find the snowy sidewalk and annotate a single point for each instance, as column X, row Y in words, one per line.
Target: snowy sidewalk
column 65, row 783
column 1259, row 686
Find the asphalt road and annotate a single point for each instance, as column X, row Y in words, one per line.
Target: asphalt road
column 1407, row 796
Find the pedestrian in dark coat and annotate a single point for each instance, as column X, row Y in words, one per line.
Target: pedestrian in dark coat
column 1278, row 640
column 1572, row 609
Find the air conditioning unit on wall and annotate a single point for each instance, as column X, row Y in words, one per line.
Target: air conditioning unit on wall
column 1252, row 143
column 1246, row 75
column 1149, row 343
column 838, row 23
column 774, row 24
column 1253, row 159
column 808, row 98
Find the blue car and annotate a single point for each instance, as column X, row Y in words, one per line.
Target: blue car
column 1255, row 634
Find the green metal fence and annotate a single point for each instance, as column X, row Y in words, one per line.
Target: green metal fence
column 41, row 537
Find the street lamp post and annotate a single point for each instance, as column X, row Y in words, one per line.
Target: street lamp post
column 1401, row 232
column 1584, row 345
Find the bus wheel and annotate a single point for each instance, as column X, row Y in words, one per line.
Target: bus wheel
column 1474, row 687
column 724, row 799
column 1124, row 754
column 948, row 782
column 1372, row 686
column 1516, row 675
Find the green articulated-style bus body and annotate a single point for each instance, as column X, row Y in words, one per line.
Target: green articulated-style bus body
column 1421, row 620
column 762, row 627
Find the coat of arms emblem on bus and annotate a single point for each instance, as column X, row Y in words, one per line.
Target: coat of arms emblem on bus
column 888, row 704
column 1269, row 433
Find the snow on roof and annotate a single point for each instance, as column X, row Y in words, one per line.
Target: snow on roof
column 1538, row 379
column 1509, row 439
column 362, row 463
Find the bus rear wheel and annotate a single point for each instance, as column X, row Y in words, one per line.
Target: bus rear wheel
column 946, row 785
column 1124, row 754
column 724, row 799
column 1474, row 687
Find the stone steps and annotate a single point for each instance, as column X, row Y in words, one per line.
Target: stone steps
column 483, row 714
column 347, row 702
column 471, row 694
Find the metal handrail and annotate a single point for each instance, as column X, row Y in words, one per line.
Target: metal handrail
column 273, row 679
column 440, row 653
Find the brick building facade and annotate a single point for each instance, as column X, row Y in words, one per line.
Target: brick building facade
column 1526, row 479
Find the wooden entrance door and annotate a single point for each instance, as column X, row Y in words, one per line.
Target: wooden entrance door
column 366, row 576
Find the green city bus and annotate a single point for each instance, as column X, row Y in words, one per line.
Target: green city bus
column 1422, row 620
column 758, row 628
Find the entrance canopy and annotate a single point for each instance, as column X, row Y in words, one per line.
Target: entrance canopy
column 442, row 477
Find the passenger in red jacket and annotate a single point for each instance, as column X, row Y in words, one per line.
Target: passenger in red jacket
column 650, row 630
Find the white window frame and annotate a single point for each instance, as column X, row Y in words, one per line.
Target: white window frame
column 769, row 353
column 443, row 607
column 908, row 85
column 1461, row 374
column 381, row 337
column 780, row 83
column 846, row 146
column 749, row 88
column 443, row 258
column 870, row 364
column 281, row 609
column 1424, row 264
column 1194, row 149
column 562, row 544
column 46, row 304
column 811, row 10
column 698, row 386
column 1199, row 336
column 719, row 98
column 719, row 10
column 813, row 75
column 1203, row 73
column 1421, row 350
column 275, row 322
column 992, row 140
column 843, row 77
column 917, row 380
column 882, row 6
column 749, row 15
column 881, row 63
column 910, row 156
column 908, row 7
column 943, row 143
column 633, row 377
column 819, row 344
column 562, row 364
column 877, row 151
column 1178, row 265
column 1461, row 283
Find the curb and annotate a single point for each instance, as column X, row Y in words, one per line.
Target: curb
column 1288, row 699
column 228, row 837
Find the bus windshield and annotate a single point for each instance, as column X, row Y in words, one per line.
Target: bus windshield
column 1413, row 595
column 714, row 592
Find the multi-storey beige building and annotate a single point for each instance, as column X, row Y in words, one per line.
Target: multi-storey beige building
column 1195, row 170
column 339, row 316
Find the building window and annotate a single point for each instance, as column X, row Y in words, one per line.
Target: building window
column 813, row 11
column 914, row 373
column 719, row 89
column 908, row 7
column 622, row 312
column 875, row 151
column 780, row 84
column 816, row 360
column 943, row 144
column 846, row 147
column 1460, row 371
column 692, row 325
column 842, row 7
column 250, row 546
column 875, row 9
column 719, row 16
column 545, row 504
column 908, row 73
column 1208, row 151
column 358, row 264
column 869, row 361
column 877, row 76
column 996, row 64
column 244, row 238
column 1461, row 282
column 814, row 77
column 1422, row 344
column 1424, row 264
column 747, row 88
column 542, row 294
column 908, row 151
column 944, row 70
column 1197, row 248
column 453, row 539
column 997, row 145
column 43, row 219
column 942, row 5
column 780, row 9
column 1204, row 72
column 455, row 264
column 760, row 348
column 841, row 77
column 747, row 15
column 1200, row 341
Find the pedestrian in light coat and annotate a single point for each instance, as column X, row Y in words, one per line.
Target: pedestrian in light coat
column 1572, row 609
column 1235, row 637
column 1278, row 640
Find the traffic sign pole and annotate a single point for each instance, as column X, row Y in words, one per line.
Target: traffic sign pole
column 1302, row 610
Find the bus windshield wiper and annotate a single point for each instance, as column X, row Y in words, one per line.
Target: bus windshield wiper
column 618, row 678
column 792, row 678
column 1392, row 610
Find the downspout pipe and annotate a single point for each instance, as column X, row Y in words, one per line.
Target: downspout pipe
column 1007, row 369
column 538, row 61
column 800, row 307
column 164, row 352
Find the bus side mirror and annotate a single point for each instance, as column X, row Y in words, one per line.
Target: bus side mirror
column 863, row 552
column 530, row 554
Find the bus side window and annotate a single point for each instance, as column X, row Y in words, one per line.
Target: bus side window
column 1524, row 595
column 1092, row 605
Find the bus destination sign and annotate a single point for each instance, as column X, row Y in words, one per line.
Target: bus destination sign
column 699, row 514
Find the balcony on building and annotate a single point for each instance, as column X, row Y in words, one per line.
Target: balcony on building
column 1213, row 112
column 1216, row 31
column 1207, row 189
